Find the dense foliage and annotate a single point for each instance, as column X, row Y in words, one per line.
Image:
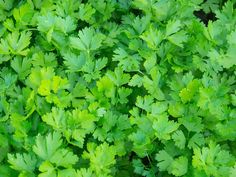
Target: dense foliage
column 103, row 88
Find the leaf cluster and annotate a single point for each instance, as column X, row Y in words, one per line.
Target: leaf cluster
column 103, row 88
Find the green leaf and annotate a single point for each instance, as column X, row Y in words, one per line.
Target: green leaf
column 86, row 12
column 164, row 160
column 102, row 158
column 15, row 43
column 52, row 86
column 69, row 172
column 64, row 158
column 21, row 66
column 178, row 38
column 56, row 118
column 179, row 167
column 123, row 94
column 83, row 172
column 47, row 170
column 153, row 38
column 44, row 59
column 179, row 139
column 66, row 25
column 196, row 140
column 127, row 62
column 136, row 81
column 187, row 93
column 142, row 142
column 227, row 60
column 176, row 109
column 205, row 97
column 152, row 85
column 105, row 8
column 23, row 15
column 144, row 5
column 231, row 38
column 164, row 127
column 192, row 123
column 88, row 40
column 172, row 27
column 140, row 24
column 45, row 147
column 118, row 77
column 106, row 85
column 211, row 5
column 46, row 22
column 84, row 119
column 74, row 62
column 138, row 166
column 6, row 5
column 49, row 149
column 229, row 125
column 213, row 160
column 159, row 108
column 144, row 103
column 45, row 82
column 22, row 162
column 233, row 171
column 37, row 75
column 101, row 63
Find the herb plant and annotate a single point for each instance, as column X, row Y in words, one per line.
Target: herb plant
column 103, row 88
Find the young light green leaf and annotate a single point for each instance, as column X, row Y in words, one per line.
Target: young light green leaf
column 47, row 169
